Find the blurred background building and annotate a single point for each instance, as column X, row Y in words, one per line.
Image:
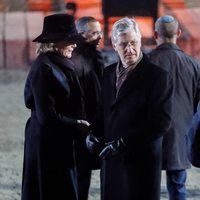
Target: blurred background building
column 21, row 21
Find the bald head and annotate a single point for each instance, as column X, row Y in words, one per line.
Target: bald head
column 167, row 26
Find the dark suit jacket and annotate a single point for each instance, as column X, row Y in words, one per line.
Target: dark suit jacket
column 140, row 114
column 185, row 73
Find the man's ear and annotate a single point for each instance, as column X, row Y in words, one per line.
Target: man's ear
column 114, row 47
column 155, row 35
column 178, row 32
column 83, row 34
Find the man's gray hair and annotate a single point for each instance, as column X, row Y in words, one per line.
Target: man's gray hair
column 81, row 24
column 166, row 26
column 124, row 25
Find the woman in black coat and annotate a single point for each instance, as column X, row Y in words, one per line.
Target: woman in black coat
column 55, row 98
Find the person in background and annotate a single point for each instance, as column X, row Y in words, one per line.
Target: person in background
column 58, row 5
column 71, row 8
column 55, row 98
column 89, row 65
column 135, row 114
column 185, row 73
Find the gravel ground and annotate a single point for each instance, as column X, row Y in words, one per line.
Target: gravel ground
column 13, row 117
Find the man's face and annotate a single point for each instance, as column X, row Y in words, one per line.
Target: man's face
column 94, row 34
column 128, row 46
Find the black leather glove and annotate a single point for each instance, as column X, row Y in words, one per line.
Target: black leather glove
column 93, row 144
column 112, row 148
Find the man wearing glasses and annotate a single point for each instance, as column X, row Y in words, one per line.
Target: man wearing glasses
column 89, row 65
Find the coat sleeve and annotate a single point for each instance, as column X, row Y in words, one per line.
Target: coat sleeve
column 44, row 103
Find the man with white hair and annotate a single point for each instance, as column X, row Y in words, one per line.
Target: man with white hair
column 185, row 73
column 135, row 114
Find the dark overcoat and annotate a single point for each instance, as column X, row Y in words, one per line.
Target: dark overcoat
column 89, row 65
column 140, row 114
column 185, row 73
column 53, row 94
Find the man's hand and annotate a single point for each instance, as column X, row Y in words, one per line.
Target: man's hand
column 93, row 144
column 112, row 148
column 83, row 126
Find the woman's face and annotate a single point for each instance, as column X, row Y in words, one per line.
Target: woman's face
column 65, row 48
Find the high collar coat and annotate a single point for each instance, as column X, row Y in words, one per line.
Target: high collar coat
column 55, row 98
column 185, row 73
column 140, row 114
column 89, row 64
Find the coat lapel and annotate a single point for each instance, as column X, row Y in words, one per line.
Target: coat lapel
column 60, row 77
column 61, row 66
column 110, row 85
column 132, row 81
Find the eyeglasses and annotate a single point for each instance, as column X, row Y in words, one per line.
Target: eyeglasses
column 98, row 33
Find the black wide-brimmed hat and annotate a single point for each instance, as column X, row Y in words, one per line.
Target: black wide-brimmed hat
column 58, row 27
